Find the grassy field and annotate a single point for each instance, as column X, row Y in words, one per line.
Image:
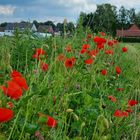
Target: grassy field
column 136, row 45
column 79, row 88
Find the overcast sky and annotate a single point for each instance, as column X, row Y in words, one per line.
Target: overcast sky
column 55, row 10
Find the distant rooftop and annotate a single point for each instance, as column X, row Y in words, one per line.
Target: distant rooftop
column 133, row 31
column 21, row 25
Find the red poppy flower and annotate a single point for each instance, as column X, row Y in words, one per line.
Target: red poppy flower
column 44, row 66
column 120, row 89
column 110, row 43
column 102, row 33
column 73, row 60
column 5, row 115
column 20, row 81
column 129, row 110
column 103, row 72
column 69, row 62
column 13, row 90
column 51, row 122
column 89, row 61
column 100, row 46
column 124, row 49
column 115, row 41
column 82, row 51
column 119, row 113
column 68, row 48
column 118, row 70
column 112, row 98
column 85, row 46
column 35, row 56
column 132, row 102
column 92, row 53
column 124, row 113
column 39, row 51
column 15, row 73
column 89, row 36
column 99, row 40
column 109, row 52
column 60, row 57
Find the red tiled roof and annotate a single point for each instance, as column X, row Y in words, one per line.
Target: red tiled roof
column 133, row 31
column 134, row 28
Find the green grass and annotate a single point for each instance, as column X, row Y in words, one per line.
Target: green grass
column 135, row 45
column 77, row 98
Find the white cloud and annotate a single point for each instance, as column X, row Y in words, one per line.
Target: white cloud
column 79, row 5
column 7, row 9
column 126, row 3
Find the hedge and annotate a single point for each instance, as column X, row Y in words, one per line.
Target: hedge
column 130, row 39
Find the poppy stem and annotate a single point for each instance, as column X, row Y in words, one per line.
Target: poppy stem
column 9, row 138
column 27, row 113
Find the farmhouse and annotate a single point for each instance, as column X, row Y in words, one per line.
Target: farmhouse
column 21, row 26
column 41, row 31
column 133, row 31
column 44, row 30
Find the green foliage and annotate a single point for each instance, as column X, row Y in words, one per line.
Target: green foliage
column 108, row 18
column 130, row 39
column 23, row 44
column 77, row 98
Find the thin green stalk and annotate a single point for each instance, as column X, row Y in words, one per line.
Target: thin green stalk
column 26, row 118
column 9, row 138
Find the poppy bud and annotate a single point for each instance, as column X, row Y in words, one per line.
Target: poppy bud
column 83, row 124
column 103, row 71
column 118, row 70
column 69, row 110
column 10, row 105
column 75, row 116
column 107, row 137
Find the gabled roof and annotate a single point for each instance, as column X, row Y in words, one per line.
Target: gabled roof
column 21, row 25
column 134, row 28
column 133, row 31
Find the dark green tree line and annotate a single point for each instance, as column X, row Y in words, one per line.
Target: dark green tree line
column 108, row 18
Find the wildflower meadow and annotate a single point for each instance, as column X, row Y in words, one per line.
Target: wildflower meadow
column 82, row 87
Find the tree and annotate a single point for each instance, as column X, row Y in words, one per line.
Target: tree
column 89, row 21
column 138, row 18
column 123, row 18
column 104, row 19
column 50, row 23
column 3, row 24
column 60, row 27
column 70, row 27
column 82, row 19
column 36, row 23
column 132, row 16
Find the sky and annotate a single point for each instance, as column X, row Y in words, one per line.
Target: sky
column 55, row 10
